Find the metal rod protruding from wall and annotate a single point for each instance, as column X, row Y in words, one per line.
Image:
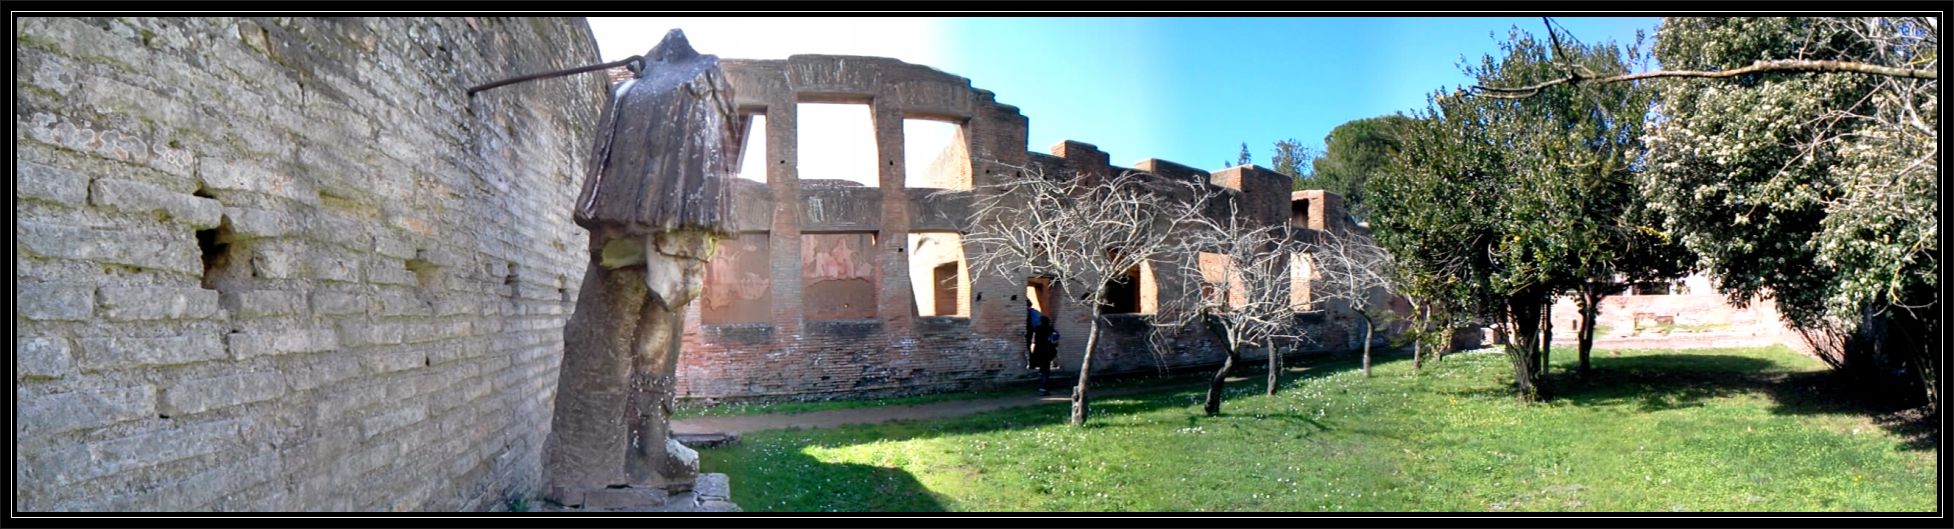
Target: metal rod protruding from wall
column 635, row 63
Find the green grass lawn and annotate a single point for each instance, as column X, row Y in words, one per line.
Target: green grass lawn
column 1697, row 430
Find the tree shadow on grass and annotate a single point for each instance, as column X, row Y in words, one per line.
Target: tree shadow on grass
column 1300, row 427
column 794, row 481
column 1668, row 381
column 1173, row 393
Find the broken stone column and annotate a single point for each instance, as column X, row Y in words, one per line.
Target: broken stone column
column 655, row 202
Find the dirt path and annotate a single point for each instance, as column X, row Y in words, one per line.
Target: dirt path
column 871, row 415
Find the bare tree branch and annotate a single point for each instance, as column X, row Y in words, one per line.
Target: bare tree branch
column 1357, row 272
column 1783, row 65
column 1084, row 232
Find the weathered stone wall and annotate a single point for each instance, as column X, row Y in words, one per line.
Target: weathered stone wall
column 286, row 264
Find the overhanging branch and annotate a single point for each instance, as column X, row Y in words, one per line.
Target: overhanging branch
column 1784, row 65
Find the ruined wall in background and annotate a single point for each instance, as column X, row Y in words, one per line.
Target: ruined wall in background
column 1701, row 319
column 865, row 297
column 844, row 318
column 286, row 264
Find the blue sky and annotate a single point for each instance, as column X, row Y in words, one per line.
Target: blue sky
column 1188, row 90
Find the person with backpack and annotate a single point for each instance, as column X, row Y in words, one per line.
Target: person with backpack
column 1041, row 336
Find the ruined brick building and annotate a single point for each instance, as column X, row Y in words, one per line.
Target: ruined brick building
column 855, row 282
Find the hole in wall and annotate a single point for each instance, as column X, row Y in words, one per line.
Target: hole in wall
column 511, row 279
column 426, row 276
column 422, row 268
column 224, row 263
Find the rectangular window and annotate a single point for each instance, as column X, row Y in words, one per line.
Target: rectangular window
column 1039, row 291
column 944, row 280
column 1300, row 273
column 937, row 275
column 838, row 276
column 1132, row 292
column 836, row 141
column 1219, row 281
column 1299, row 213
column 753, row 156
column 1654, row 289
column 935, row 155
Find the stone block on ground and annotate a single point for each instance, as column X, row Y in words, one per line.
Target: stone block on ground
column 707, row 439
column 712, row 494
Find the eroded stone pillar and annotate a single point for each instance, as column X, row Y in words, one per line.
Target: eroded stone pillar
column 655, row 200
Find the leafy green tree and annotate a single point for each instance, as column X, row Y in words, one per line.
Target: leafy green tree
column 1818, row 190
column 1352, row 152
column 1244, row 158
column 1293, row 158
column 1503, row 203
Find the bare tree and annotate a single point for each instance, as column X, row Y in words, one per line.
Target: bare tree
column 1244, row 282
column 1356, row 271
column 1086, row 232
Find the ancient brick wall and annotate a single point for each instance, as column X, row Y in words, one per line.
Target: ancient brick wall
column 286, row 264
column 838, row 280
column 839, row 263
column 1700, row 318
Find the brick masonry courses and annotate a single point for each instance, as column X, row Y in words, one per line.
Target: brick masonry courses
column 806, row 348
column 383, row 327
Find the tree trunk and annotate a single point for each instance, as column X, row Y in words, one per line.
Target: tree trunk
column 1079, row 404
column 1525, row 316
column 1275, row 367
column 1588, row 301
column 1367, row 344
column 1546, row 336
column 1417, row 355
column 1420, row 325
column 1446, row 332
column 1444, row 339
column 1213, row 405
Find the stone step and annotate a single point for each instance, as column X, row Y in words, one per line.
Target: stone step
column 713, row 493
column 708, row 438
